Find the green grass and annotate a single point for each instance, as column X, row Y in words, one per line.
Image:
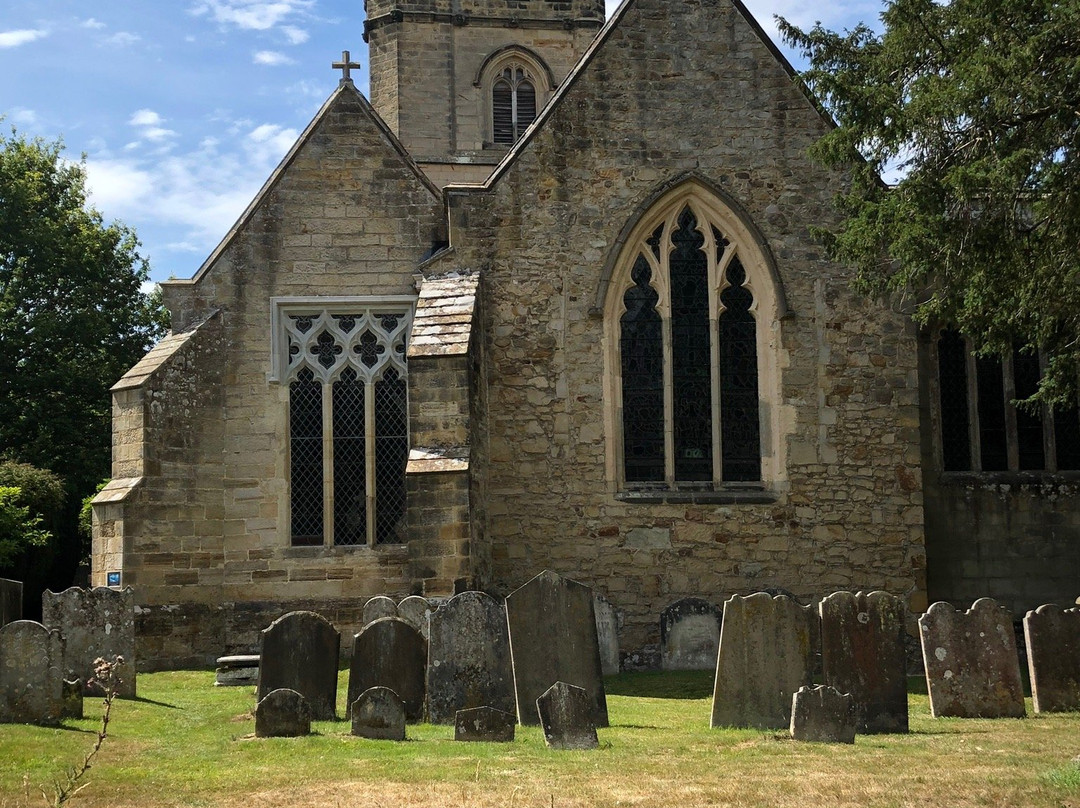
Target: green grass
column 187, row 743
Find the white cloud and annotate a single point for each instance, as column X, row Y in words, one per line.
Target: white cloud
column 92, row 23
column 122, row 39
column 150, row 126
column 271, row 58
column 146, row 117
column 296, row 36
column 12, row 39
column 24, row 116
column 256, row 15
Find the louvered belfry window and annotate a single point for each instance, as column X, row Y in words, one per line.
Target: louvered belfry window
column 348, row 425
column 513, row 104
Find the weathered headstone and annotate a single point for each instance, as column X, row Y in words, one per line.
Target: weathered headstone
column 31, row 674
column 95, row 623
column 689, row 635
column 71, row 693
column 484, row 724
column 765, row 656
column 607, row 634
column 565, row 713
column 862, row 652
column 282, row 713
column 390, row 653
column 1052, row 637
column 553, row 639
column 415, row 611
column 468, row 663
column 299, row 651
column 972, row 670
column 10, row 601
column 823, row 714
column 235, row 671
column 378, row 713
column 379, row 607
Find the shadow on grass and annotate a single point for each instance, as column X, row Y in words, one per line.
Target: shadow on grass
column 69, row 728
column 661, row 685
column 141, row 700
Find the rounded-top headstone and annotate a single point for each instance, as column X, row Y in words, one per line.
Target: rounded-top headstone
column 416, row 611
column 390, row 653
column 379, row 607
column 1052, row 637
column 282, row 713
column 299, row 651
column 31, row 673
column 378, row 713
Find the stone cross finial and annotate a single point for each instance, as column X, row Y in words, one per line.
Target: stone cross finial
column 345, row 66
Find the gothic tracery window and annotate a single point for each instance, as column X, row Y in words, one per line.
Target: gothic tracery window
column 513, row 103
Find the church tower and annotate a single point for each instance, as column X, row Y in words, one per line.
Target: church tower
column 459, row 80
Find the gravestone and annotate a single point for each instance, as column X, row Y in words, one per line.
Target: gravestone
column 10, row 601
column 565, row 713
column 236, row 671
column 299, row 651
column 378, row 713
column 31, row 674
column 972, row 670
column 689, row 635
column 282, row 713
column 1052, row 637
column 765, row 656
column 95, row 623
column 553, row 639
column 607, row 634
column 379, row 607
column 484, row 724
column 71, row 694
column 468, row 662
column 416, row 611
column 862, row 653
column 390, row 653
column 823, row 714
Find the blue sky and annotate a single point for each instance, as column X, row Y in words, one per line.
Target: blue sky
column 184, row 107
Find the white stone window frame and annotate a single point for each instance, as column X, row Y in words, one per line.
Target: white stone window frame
column 536, row 71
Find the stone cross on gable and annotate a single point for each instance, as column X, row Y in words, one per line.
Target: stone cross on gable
column 345, row 66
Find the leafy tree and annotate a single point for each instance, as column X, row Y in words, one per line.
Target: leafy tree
column 18, row 529
column 976, row 105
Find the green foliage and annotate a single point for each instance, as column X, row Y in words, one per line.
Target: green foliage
column 19, row 530
column 975, row 103
column 86, row 516
column 42, row 490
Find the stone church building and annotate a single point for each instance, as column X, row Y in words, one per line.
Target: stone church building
column 550, row 301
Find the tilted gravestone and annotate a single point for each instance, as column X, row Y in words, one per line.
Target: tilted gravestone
column 765, row 656
column 416, row 611
column 484, row 724
column 95, row 623
column 823, row 714
column 553, row 639
column 972, row 670
column 31, row 674
column 10, row 601
column 379, row 607
column 565, row 713
column 390, row 653
column 282, row 713
column 689, row 635
column 378, row 713
column 862, row 653
column 299, row 651
column 1052, row 637
column 468, row 663
column 607, row 634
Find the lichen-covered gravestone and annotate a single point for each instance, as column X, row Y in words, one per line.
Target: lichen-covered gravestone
column 565, row 713
column 823, row 714
column 972, row 670
column 862, row 653
column 764, row 657
column 689, row 635
column 468, row 663
column 378, row 713
column 1052, row 637
column 31, row 674
column 299, row 651
column 282, row 713
column 379, row 607
column 71, row 693
column 416, row 611
column 390, row 653
column 96, row 623
column 10, row 601
column 553, row 639
column 607, row 634
column 484, row 724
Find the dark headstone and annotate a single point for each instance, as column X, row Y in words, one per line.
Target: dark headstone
column 10, row 601
column 765, row 656
column 484, row 724
column 416, row 611
column 390, row 653
column 565, row 713
column 71, row 693
column 553, row 639
column 31, row 674
column 235, row 671
column 282, row 713
column 862, row 651
column 1052, row 637
column 378, row 713
column 379, row 607
column 607, row 634
column 468, row 663
column 823, row 714
column 299, row 651
column 972, row 670
column 689, row 635
column 96, row 624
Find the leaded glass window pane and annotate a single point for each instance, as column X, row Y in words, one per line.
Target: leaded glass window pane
column 391, row 455
column 991, row 396
column 1029, row 425
column 350, row 471
column 953, row 383
column 641, row 349
column 306, row 459
column 740, row 435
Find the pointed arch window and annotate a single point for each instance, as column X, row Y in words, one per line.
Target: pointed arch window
column 513, row 103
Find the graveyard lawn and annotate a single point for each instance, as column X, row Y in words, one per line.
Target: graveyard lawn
column 187, row 743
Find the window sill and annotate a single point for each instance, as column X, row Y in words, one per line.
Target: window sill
column 726, row 495
column 1008, row 478
column 337, row 550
